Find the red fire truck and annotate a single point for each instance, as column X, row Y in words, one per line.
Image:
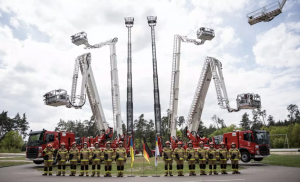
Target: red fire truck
column 38, row 141
column 253, row 144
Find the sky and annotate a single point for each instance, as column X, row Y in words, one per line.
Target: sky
column 37, row 55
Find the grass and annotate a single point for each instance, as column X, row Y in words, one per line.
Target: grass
column 13, row 158
column 137, row 169
column 2, row 164
column 3, row 150
column 282, row 160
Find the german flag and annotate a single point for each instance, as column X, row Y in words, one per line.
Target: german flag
column 146, row 151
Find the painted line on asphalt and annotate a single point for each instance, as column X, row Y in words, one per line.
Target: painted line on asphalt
column 218, row 180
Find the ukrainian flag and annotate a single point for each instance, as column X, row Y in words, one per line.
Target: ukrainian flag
column 131, row 152
column 156, row 152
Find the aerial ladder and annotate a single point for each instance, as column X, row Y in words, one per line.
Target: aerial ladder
column 203, row 34
column 212, row 68
column 266, row 13
column 59, row 97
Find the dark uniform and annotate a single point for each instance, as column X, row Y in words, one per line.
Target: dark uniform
column 85, row 157
column 191, row 154
column 48, row 159
column 109, row 156
column 97, row 156
column 179, row 155
column 202, row 156
column 223, row 157
column 121, row 156
column 62, row 156
column 235, row 156
column 74, row 156
column 168, row 158
column 213, row 155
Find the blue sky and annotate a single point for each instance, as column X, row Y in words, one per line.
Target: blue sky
column 38, row 56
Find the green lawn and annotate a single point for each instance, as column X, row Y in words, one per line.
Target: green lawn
column 283, row 160
column 2, row 164
column 137, row 169
column 13, row 158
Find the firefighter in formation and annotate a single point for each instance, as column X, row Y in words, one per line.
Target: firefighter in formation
column 74, row 157
column 48, row 160
column 191, row 157
column 97, row 156
column 62, row 156
column 120, row 159
column 168, row 159
column 223, row 153
column 179, row 155
column 235, row 156
column 212, row 158
column 108, row 158
column 202, row 157
column 85, row 157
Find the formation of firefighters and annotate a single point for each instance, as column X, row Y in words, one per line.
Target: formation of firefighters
column 108, row 155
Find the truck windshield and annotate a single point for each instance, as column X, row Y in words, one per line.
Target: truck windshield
column 262, row 137
column 35, row 139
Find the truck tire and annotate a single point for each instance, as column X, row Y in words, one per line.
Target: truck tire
column 38, row 162
column 258, row 159
column 245, row 157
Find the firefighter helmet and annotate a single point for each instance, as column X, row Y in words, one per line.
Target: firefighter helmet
column 211, row 143
column 201, row 143
column 62, row 143
column 85, row 143
column 167, row 142
column 96, row 143
column 120, row 142
column 108, row 143
column 179, row 143
column 74, row 143
column 49, row 145
column 222, row 143
column 232, row 143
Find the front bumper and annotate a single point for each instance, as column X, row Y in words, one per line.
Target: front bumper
column 260, row 156
column 38, row 159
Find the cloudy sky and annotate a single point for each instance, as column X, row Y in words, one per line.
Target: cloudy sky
column 36, row 55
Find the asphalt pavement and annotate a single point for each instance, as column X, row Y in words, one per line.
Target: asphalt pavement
column 254, row 172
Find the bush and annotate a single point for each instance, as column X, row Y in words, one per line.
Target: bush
column 278, row 143
column 12, row 141
column 12, row 150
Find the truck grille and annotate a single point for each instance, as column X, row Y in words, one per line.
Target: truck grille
column 264, row 150
column 32, row 152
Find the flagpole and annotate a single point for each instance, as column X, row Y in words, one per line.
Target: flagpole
column 143, row 155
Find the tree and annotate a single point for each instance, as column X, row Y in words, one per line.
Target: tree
column 271, row 121
column 245, row 122
column 181, row 121
column 24, row 126
column 293, row 109
column 218, row 121
column 12, row 140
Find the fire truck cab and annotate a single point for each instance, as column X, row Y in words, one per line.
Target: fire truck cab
column 253, row 144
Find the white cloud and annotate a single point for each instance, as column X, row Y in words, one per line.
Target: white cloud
column 14, row 22
column 33, row 68
column 279, row 46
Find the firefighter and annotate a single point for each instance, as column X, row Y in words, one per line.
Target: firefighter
column 74, row 157
column 62, row 156
column 179, row 154
column 234, row 155
column 212, row 158
column 85, row 157
column 167, row 157
column 97, row 155
column 108, row 158
column 48, row 160
column 202, row 157
column 120, row 159
column 223, row 153
column 191, row 157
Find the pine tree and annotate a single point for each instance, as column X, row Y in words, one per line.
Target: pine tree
column 24, row 125
column 245, row 122
column 271, row 121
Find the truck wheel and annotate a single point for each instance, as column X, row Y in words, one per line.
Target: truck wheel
column 245, row 157
column 259, row 159
column 38, row 162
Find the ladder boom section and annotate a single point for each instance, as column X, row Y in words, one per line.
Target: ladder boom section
column 173, row 106
column 108, row 42
column 115, row 90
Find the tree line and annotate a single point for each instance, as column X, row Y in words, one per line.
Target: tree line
column 13, row 131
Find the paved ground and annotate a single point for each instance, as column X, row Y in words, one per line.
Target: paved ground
column 254, row 172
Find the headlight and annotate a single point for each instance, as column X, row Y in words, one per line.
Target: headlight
column 256, row 146
column 257, row 152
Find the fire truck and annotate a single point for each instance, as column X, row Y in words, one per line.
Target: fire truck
column 253, row 144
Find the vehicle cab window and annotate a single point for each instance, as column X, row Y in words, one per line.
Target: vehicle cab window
column 49, row 138
column 248, row 137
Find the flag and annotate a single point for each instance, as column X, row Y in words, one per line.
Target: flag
column 156, row 152
column 146, row 151
column 131, row 152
